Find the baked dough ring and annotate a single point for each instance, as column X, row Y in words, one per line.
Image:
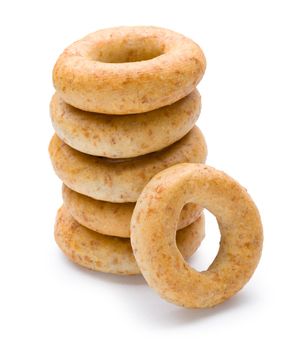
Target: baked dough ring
column 113, row 218
column 112, row 254
column 153, row 227
column 127, row 70
column 124, row 136
column 120, row 180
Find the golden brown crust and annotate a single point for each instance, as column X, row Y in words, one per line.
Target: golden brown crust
column 113, row 218
column 125, row 136
column 153, row 235
column 121, row 180
column 160, row 68
column 112, row 254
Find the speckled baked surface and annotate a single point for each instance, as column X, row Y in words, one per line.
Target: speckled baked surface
column 124, row 136
column 112, row 254
column 113, row 218
column 153, row 235
column 121, row 180
column 128, row 70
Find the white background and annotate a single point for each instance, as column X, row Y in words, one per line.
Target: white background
column 248, row 120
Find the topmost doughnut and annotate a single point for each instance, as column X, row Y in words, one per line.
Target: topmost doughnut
column 127, row 70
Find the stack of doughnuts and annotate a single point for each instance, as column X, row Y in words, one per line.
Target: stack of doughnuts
column 124, row 109
column 132, row 164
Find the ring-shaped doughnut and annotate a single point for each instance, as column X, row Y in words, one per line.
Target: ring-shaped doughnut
column 113, row 218
column 153, row 227
column 125, row 136
column 127, row 70
column 120, row 180
column 112, row 254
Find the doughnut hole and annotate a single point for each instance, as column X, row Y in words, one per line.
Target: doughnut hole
column 124, row 50
column 208, row 250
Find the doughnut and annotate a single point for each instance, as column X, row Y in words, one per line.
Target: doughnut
column 113, row 218
column 154, row 223
column 120, row 180
column 112, row 254
column 124, row 136
column 128, row 70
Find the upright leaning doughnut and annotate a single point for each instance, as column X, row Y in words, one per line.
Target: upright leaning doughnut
column 154, row 223
column 127, row 70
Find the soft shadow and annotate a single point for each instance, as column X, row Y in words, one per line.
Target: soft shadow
column 181, row 316
column 105, row 277
column 159, row 313
column 154, row 311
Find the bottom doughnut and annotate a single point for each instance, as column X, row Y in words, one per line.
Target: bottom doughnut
column 113, row 254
